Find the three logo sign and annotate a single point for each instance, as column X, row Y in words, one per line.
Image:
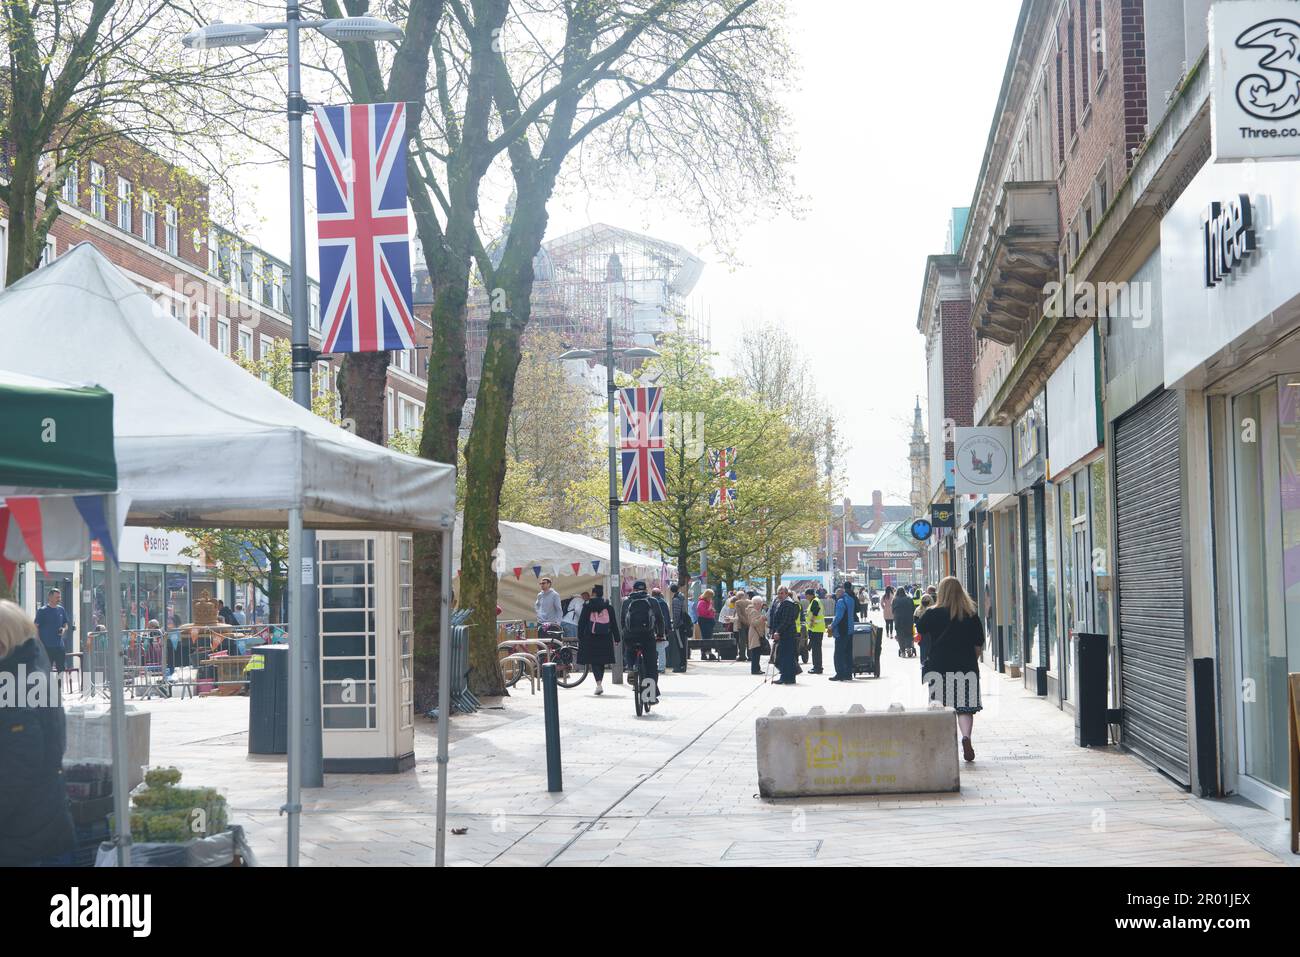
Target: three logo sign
column 1229, row 232
column 1274, row 92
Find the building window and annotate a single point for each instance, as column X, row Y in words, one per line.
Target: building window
column 402, row 359
column 313, row 314
column 48, row 253
column 236, row 268
column 1084, row 41
column 223, row 336
column 205, row 325
column 246, row 344
column 98, row 203
column 392, row 414
column 255, row 276
column 267, row 344
column 1099, row 38
column 148, row 219
column 124, row 204
column 1101, row 190
column 1069, row 62
column 277, row 288
column 71, row 184
column 1060, row 111
column 214, row 252
column 172, row 230
column 411, row 414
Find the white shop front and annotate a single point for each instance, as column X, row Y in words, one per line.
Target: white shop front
column 1231, row 276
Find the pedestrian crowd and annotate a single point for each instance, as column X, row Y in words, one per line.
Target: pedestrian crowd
column 938, row 625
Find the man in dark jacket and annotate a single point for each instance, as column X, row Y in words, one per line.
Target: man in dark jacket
column 904, row 613
column 680, row 615
column 842, row 628
column 35, row 823
column 784, row 626
column 642, row 625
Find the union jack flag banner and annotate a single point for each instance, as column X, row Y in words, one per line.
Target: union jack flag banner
column 722, row 462
column 365, row 259
column 642, row 444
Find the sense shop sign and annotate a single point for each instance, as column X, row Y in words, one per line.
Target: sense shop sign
column 1228, row 237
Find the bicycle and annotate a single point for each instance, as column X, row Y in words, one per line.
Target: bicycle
column 555, row 647
column 643, row 691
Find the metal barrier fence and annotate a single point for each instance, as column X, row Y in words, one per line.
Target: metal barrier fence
column 175, row 662
column 462, row 699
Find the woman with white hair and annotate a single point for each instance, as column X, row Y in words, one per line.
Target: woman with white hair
column 35, row 823
column 955, row 644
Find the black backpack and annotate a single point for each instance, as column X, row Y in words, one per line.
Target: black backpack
column 640, row 616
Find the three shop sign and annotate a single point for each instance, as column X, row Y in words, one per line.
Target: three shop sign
column 1229, row 237
column 1255, row 79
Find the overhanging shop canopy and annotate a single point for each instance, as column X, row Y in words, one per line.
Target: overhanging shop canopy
column 57, row 437
column 199, row 441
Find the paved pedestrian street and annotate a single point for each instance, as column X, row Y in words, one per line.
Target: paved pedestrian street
column 679, row 787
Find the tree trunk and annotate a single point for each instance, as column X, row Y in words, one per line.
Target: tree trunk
column 361, row 381
column 446, row 388
column 485, row 460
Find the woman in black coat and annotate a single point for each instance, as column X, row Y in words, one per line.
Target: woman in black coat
column 35, row 823
column 904, row 612
column 955, row 640
column 596, row 638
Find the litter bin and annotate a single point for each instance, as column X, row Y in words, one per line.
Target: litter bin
column 1090, row 712
column 268, row 702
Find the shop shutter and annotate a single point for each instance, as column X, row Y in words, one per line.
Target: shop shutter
column 1149, row 546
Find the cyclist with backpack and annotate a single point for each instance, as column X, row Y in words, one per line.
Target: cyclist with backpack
column 643, row 625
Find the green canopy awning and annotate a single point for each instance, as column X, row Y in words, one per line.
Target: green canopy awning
column 54, row 437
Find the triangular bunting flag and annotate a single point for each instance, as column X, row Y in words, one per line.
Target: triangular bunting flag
column 575, row 566
column 537, row 571
column 91, row 508
column 7, row 568
column 595, row 566
column 27, row 513
column 518, row 570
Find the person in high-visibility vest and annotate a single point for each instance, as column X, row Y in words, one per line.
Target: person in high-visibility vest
column 816, row 625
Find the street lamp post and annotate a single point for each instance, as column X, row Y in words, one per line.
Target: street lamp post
column 305, row 759
column 615, row 499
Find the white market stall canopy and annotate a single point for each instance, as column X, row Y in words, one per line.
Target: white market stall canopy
column 524, row 546
column 199, row 441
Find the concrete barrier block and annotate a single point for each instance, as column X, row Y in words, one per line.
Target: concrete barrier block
column 860, row 752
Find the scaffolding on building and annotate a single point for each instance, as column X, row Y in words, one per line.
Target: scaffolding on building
column 581, row 276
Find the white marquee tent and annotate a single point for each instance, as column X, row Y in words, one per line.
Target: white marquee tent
column 198, row 441
column 538, row 551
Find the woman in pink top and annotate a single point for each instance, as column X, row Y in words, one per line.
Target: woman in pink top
column 706, row 615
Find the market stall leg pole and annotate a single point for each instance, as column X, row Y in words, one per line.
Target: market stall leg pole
column 117, row 718
column 615, row 573
column 444, row 699
column 312, row 762
column 292, row 805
